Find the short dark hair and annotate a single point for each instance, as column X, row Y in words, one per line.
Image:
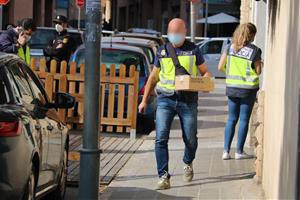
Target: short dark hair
column 27, row 23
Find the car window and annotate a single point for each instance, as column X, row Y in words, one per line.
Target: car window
column 22, row 85
column 212, row 47
column 76, row 38
column 37, row 89
column 42, row 37
column 4, row 95
column 149, row 53
column 118, row 57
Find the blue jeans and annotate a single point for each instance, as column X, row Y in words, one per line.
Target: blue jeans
column 238, row 108
column 167, row 108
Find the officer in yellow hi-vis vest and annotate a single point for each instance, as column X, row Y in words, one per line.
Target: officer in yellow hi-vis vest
column 177, row 57
column 242, row 64
column 24, row 53
column 15, row 39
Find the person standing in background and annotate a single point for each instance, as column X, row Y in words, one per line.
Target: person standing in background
column 242, row 64
column 15, row 39
column 63, row 45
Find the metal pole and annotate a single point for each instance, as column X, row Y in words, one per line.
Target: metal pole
column 90, row 153
column 193, row 24
column 1, row 17
column 79, row 17
column 206, row 20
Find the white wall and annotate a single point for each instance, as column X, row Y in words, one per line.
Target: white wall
column 281, row 100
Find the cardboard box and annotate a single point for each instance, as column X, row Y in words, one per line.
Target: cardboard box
column 194, row 83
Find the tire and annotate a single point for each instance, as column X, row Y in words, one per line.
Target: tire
column 60, row 191
column 29, row 193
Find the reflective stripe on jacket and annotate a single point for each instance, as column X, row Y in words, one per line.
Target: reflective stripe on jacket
column 239, row 70
column 166, row 82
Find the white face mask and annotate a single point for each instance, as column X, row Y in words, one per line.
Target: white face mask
column 59, row 28
column 28, row 38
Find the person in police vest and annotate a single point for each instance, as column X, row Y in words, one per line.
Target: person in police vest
column 171, row 102
column 63, row 45
column 242, row 64
column 15, row 39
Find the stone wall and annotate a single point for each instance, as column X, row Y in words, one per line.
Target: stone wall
column 256, row 134
column 245, row 11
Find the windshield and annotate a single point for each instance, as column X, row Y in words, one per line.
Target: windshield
column 118, row 57
column 41, row 38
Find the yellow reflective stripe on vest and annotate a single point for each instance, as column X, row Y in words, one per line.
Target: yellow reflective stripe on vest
column 23, row 56
column 239, row 73
column 166, row 82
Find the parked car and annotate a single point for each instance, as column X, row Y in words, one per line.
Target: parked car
column 149, row 46
column 157, row 38
column 33, row 139
column 212, row 50
column 144, row 30
column 128, row 55
column 43, row 35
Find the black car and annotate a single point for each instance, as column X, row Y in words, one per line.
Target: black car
column 33, row 140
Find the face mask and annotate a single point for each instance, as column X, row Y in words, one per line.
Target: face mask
column 59, row 28
column 28, row 38
column 175, row 38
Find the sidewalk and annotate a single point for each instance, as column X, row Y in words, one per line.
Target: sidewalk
column 214, row 178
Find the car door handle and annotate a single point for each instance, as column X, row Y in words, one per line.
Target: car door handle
column 50, row 127
column 37, row 127
column 217, row 58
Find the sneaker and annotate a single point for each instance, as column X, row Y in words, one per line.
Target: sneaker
column 239, row 156
column 164, row 182
column 188, row 173
column 226, row 156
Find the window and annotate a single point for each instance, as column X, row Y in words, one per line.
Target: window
column 4, row 95
column 118, row 57
column 212, row 47
column 22, row 84
column 37, row 89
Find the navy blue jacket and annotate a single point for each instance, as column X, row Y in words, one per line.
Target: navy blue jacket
column 8, row 41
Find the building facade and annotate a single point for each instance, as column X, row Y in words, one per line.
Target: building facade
column 277, row 117
column 155, row 14
column 40, row 10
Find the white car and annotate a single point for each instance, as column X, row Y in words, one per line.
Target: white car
column 212, row 50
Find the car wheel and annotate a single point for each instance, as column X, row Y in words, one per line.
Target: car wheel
column 59, row 192
column 30, row 186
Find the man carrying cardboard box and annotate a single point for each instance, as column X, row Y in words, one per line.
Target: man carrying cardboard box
column 178, row 57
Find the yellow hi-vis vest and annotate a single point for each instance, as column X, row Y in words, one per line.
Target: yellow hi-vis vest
column 166, row 82
column 24, row 55
column 239, row 71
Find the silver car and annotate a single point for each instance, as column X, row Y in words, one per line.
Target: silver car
column 212, row 50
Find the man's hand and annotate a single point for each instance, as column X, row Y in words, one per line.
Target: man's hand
column 22, row 39
column 152, row 80
column 142, row 107
column 59, row 46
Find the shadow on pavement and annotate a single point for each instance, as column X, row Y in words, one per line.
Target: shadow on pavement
column 126, row 193
column 220, row 179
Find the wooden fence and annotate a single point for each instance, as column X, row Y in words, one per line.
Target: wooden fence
column 119, row 93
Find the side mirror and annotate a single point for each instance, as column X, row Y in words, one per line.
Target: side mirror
column 62, row 100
